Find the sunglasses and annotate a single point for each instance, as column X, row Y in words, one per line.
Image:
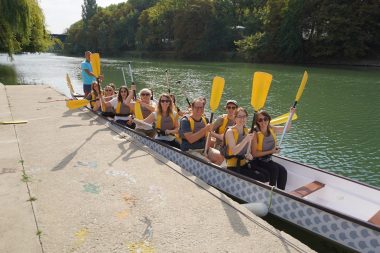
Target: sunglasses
column 231, row 107
column 145, row 94
column 199, row 107
column 108, row 90
column 241, row 116
column 262, row 119
column 123, row 91
column 165, row 101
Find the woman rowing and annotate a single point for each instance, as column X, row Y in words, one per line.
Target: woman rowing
column 165, row 121
column 264, row 145
column 109, row 94
column 142, row 108
column 93, row 96
column 121, row 106
column 236, row 142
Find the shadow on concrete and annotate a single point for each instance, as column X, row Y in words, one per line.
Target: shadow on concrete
column 70, row 156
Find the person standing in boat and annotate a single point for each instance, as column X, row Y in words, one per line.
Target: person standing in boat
column 88, row 77
column 236, row 143
column 219, row 128
column 194, row 128
column 264, row 145
column 165, row 120
column 120, row 104
column 142, row 108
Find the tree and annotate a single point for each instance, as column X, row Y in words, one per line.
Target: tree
column 89, row 9
column 22, row 27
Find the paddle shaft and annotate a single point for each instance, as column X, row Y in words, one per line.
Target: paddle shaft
column 187, row 99
column 167, row 80
column 131, row 75
column 287, row 123
column 125, row 82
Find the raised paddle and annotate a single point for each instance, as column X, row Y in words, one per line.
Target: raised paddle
column 298, row 97
column 131, row 75
column 282, row 119
column 216, row 95
column 260, row 87
column 167, row 80
column 95, row 63
column 122, row 70
column 70, row 86
column 187, row 99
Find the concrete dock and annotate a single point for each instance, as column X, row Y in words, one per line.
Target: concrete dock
column 70, row 184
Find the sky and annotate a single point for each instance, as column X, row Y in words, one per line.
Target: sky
column 60, row 14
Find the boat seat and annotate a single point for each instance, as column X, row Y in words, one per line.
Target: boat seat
column 307, row 189
column 375, row 219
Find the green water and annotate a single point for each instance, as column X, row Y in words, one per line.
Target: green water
column 337, row 129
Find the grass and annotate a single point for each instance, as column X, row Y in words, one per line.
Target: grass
column 8, row 75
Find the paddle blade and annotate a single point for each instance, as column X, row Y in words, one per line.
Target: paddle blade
column 74, row 104
column 260, row 87
column 302, row 86
column 282, row 119
column 216, row 92
column 95, row 63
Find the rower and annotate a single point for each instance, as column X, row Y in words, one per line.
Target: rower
column 121, row 106
column 236, row 142
column 165, row 120
column 93, row 96
column 218, row 130
column 194, row 128
column 142, row 108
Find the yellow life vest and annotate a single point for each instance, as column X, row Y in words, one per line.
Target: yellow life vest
column 159, row 119
column 93, row 102
column 192, row 123
column 231, row 159
column 260, row 139
column 138, row 112
column 222, row 127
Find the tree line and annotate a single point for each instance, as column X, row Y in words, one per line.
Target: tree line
column 22, row 27
column 259, row 30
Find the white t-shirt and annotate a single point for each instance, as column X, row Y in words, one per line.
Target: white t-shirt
column 114, row 102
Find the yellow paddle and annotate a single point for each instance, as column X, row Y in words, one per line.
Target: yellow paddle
column 70, row 86
column 298, row 97
column 216, row 95
column 260, row 87
column 282, row 119
column 13, row 122
column 95, row 63
column 74, row 104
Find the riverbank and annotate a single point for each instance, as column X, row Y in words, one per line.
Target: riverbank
column 85, row 188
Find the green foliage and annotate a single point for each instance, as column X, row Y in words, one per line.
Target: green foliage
column 22, row 27
column 8, row 75
column 89, row 9
column 260, row 30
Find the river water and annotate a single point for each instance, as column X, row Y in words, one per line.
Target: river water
column 338, row 125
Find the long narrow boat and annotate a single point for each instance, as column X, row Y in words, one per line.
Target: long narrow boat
column 334, row 207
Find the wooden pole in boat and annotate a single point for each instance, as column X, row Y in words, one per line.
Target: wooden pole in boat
column 167, row 81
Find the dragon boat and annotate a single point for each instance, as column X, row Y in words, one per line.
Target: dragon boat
column 337, row 208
